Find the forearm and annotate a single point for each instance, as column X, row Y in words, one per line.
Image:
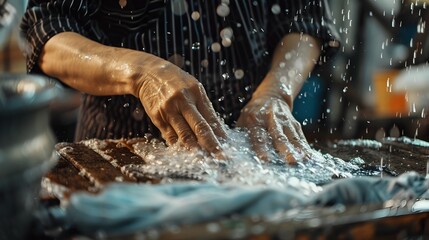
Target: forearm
column 293, row 61
column 96, row 69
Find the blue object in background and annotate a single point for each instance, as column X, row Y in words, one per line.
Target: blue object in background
column 307, row 107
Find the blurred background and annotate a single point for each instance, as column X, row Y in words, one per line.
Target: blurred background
column 377, row 86
column 65, row 108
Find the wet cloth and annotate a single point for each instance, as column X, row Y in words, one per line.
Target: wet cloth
column 125, row 208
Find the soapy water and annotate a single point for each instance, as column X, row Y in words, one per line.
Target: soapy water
column 173, row 163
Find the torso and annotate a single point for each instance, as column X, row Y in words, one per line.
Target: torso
column 194, row 36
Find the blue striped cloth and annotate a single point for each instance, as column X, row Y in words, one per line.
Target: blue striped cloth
column 125, row 208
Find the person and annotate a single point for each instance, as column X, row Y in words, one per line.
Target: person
column 180, row 69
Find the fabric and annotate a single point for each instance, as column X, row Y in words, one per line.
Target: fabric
column 125, row 208
column 226, row 46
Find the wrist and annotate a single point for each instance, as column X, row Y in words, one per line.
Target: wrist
column 276, row 87
column 136, row 69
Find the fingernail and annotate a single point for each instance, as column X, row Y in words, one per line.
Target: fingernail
column 221, row 156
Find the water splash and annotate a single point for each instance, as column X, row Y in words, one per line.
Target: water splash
column 173, row 163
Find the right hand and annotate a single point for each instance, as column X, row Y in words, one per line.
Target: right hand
column 178, row 105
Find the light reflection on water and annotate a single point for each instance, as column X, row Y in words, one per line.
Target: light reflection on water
column 243, row 167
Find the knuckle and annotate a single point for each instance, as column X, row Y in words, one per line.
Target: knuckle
column 179, row 95
column 186, row 137
column 170, row 136
column 202, row 128
column 171, row 139
column 197, row 87
column 296, row 124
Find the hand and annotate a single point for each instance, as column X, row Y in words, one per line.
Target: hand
column 271, row 126
column 178, row 105
column 175, row 101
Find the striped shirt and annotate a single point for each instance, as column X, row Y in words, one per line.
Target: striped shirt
column 227, row 45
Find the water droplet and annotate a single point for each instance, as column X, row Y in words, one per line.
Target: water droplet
column 195, row 46
column 239, row 74
column 305, row 122
column 226, row 42
column 275, row 9
column 126, row 105
column 288, row 56
column 216, row 47
column 195, row 15
column 138, row 114
column 225, row 76
column 291, row 73
column 226, row 33
column 421, row 26
column 287, row 88
column 222, row 10
column 205, row 63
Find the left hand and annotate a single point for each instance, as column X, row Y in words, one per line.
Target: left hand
column 271, row 125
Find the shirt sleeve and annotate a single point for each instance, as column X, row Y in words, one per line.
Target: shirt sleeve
column 44, row 19
column 311, row 17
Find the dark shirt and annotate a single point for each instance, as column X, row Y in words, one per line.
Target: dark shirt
column 226, row 45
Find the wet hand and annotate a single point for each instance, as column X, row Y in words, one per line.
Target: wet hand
column 178, row 105
column 271, row 125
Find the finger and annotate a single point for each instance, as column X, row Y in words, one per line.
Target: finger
column 214, row 122
column 259, row 139
column 311, row 153
column 201, row 129
column 208, row 112
column 281, row 143
column 166, row 130
column 184, row 133
column 297, row 139
column 285, row 135
column 169, row 134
